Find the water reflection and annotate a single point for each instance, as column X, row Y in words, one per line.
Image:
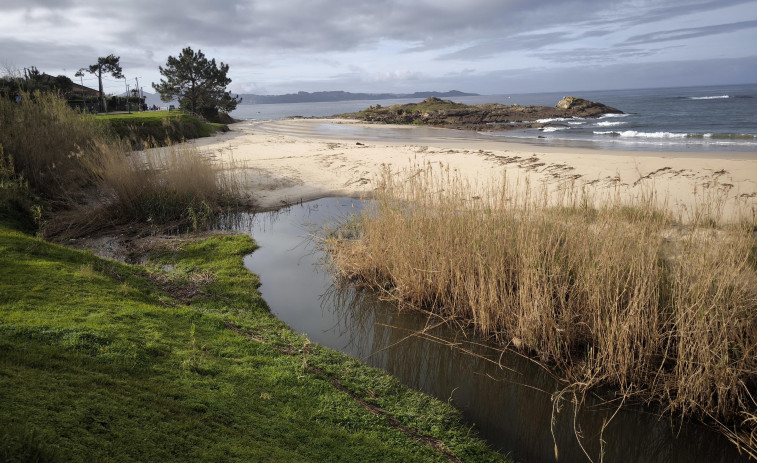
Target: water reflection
column 509, row 398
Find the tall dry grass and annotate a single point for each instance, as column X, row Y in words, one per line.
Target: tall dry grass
column 609, row 289
column 91, row 180
column 162, row 184
column 47, row 141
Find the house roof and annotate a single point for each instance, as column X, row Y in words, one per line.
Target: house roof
column 77, row 89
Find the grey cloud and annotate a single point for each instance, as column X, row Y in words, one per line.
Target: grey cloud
column 55, row 58
column 317, row 25
column 688, row 33
column 322, row 25
column 254, row 32
column 513, row 43
column 561, row 79
column 574, row 78
column 596, row 33
column 46, row 4
column 655, row 11
column 44, row 55
column 596, row 55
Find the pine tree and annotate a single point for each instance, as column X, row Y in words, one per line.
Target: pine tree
column 198, row 83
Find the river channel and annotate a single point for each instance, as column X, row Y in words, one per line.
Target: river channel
column 508, row 398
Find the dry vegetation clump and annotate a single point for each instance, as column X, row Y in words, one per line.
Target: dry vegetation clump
column 609, row 289
column 47, row 141
column 166, row 184
column 90, row 180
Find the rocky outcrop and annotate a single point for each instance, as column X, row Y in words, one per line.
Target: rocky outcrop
column 586, row 107
column 489, row 117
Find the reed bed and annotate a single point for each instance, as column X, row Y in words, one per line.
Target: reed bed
column 609, row 288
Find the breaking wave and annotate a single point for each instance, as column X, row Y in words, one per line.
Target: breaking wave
column 558, row 119
column 718, row 97
column 715, row 136
column 636, row 134
column 606, row 116
column 609, row 124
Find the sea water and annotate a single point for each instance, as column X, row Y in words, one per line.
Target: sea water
column 712, row 118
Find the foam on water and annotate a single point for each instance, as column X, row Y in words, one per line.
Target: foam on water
column 551, row 119
column 606, row 116
column 636, row 134
column 558, row 119
column 718, row 97
column 609, row 124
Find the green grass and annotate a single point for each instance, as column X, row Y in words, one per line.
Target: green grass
column 101, row 361
column 141, row 115
column 160, row 126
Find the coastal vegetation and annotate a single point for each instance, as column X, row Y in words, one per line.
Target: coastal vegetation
column 16, row 82
column 179, row 359
column 82, row 177
column 198, row 83
column 607, row 289
column 160, row 127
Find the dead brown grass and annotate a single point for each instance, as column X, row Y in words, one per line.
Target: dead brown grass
column 609, row 289
column 90, row 180
column 47, row 140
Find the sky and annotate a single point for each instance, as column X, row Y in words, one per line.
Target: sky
column 481, row 46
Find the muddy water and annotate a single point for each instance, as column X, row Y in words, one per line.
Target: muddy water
column 508, row 398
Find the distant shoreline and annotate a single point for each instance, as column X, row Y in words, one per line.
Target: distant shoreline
column 325, row 97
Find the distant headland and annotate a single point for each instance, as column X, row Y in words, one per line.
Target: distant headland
column 319, row 97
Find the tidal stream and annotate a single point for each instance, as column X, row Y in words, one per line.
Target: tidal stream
column 507, row 397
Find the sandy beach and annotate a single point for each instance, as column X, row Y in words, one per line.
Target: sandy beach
column 294, row 160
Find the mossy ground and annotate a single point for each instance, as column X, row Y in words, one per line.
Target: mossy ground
column 180, row 360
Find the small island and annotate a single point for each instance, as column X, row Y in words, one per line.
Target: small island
column 482, row 117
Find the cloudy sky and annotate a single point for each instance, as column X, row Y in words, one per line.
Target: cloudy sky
column 483, row 46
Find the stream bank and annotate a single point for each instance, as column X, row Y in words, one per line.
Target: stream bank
column 506, row 396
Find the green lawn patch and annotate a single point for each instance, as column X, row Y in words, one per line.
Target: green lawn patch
column 180, row 360
column 160, row 127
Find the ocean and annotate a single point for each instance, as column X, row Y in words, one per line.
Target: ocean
column 711, row 118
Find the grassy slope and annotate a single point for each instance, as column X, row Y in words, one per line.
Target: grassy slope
column 98, row 362
column 140, row 126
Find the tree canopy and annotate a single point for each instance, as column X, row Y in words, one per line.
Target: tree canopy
column 14, row 83
column 105, row 65
column 198, row 83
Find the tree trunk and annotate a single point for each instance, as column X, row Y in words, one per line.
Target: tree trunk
column 194, row 98
column 102, row 93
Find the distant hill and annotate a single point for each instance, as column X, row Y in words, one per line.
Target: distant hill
column 318, row 97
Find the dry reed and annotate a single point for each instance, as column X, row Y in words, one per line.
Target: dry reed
column 47, row 140
column 609, row 289
column 91, row 180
